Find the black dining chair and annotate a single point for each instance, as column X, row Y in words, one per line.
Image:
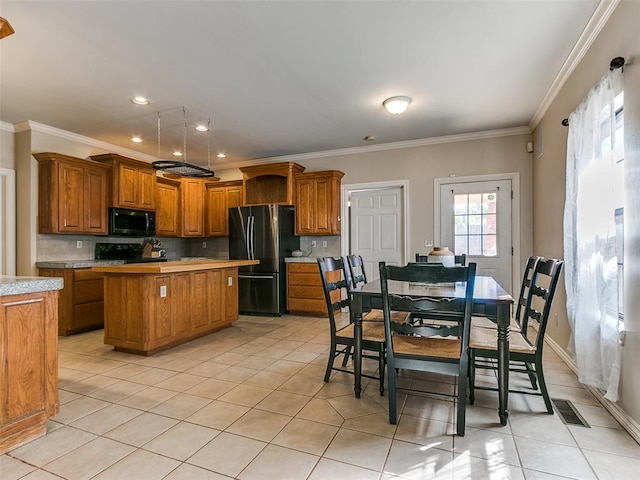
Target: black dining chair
column 414, row 347
column 515, row 321
column 359, row 278
column 337, row 296
column 457, row 259
column 525, row 347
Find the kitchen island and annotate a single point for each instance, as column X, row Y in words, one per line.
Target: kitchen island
column 149, row 307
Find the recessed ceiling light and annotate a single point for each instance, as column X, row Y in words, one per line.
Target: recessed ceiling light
column 177, row 154
column 221, row 155
column 396, row 105
column 201, row 128
column 139, row 100
column 136, row 139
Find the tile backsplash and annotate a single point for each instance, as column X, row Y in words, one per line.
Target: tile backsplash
column 55, row 247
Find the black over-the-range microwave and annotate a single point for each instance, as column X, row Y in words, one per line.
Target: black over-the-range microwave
column 127, row 222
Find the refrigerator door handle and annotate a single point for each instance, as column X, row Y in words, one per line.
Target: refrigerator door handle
column 255, row 276
column 248, row 239
column 252, row 239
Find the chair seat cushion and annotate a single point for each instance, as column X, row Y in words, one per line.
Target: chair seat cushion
column 437, row 347
column 376, row 315
column 486, row 322
column 486, row 339
column 372, row 332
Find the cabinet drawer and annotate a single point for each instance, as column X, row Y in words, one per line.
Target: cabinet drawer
column 88, row 291
column 304, row 268
column 307, row 306
column 309, row 279
column 89, row 315
column 298, row 291
column 82, row 274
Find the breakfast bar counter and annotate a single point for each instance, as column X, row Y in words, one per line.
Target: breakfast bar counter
column 149, row 307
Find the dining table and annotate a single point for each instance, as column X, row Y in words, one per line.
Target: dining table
column 489, row 299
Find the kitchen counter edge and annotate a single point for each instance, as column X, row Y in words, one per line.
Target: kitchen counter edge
column 10, row 285
column 173, row 267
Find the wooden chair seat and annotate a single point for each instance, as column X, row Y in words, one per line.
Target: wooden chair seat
column 427, row 346
column 487, row 339
column 371, row 332
column 486, row 322
column 376, row 315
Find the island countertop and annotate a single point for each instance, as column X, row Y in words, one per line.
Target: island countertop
column 172, row 267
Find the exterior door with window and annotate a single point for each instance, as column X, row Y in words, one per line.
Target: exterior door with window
column 475, row 219
column 375, row 220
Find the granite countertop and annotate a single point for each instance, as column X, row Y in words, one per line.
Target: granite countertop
column 77, row 263
column 10, row 285
column 301, row 260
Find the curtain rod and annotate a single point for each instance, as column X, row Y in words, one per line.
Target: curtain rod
column 614, row 64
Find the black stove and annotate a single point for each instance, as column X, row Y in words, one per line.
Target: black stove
column 129, row 252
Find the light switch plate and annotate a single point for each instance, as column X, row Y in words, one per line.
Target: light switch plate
column 79, row 244
column 163, row 291
column 230, row 281
column 428, row 243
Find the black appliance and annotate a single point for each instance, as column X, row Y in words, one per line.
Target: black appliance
column 129, row 252
column 265, row 233
column 126, row 222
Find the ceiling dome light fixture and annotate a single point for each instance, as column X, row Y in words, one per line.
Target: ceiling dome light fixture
column 177, row 153
column 396, row 105
column 139, row 100
column 221, row 155
column 136, row 139
column 201, row 128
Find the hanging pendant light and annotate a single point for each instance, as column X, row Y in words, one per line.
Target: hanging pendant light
column 183, row 168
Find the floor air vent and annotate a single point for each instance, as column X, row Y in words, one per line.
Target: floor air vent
column 568, row 413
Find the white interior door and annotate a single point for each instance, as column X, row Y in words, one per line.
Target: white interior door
column 376, row 227
column 475, row 218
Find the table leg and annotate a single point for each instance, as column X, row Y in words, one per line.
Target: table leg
column 503, row 362
column 356, row 316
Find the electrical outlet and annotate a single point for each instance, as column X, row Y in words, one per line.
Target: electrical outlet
column 204, row 244
column 230, row 281
column 313, row 243
column 428, row 243
column 324, row 244
column 79, row 244
column 163, row 291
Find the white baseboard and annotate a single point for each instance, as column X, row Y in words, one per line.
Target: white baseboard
column 622, row 417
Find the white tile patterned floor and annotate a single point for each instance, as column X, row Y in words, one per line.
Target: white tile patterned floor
column 249, row 402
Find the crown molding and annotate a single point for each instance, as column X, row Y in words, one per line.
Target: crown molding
column 595, row 24
column 74, row 137
column 422, row 142
column 7, row 127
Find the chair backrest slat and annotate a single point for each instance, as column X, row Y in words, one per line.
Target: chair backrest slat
column 337, row 293
column 357, row 271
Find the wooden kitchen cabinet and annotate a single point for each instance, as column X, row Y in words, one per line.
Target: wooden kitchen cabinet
column 167, row 201
column 81, row 301
column 72, row 195
column 305, row 293
column 29, row 360
column 132, row 182
column 191, row 207
column 317, row 202
column 220, row 196
column 269, row 183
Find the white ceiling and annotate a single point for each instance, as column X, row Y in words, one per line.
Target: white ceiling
column 281, row 78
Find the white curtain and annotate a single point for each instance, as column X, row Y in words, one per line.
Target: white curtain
column 589, row 240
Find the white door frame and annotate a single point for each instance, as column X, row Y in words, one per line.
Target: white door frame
column 7, row 221
column 515, row 214
column 347, row 189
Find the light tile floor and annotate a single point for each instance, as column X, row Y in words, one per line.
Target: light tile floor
column 250, row 403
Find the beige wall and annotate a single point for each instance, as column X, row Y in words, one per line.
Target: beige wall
column 7, row 156
column 421, row 165
column 620, row 37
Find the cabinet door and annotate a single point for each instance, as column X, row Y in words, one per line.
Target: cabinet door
column 217, row 216
column 127, row 186
column 234, row 198
column 322, row 207
column 304, row 207
column 95, row 201
column 192, row 208
column 146, row 189
column 167, row 200
column 70, row 205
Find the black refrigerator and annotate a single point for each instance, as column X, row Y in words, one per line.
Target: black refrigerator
column 265, row 233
